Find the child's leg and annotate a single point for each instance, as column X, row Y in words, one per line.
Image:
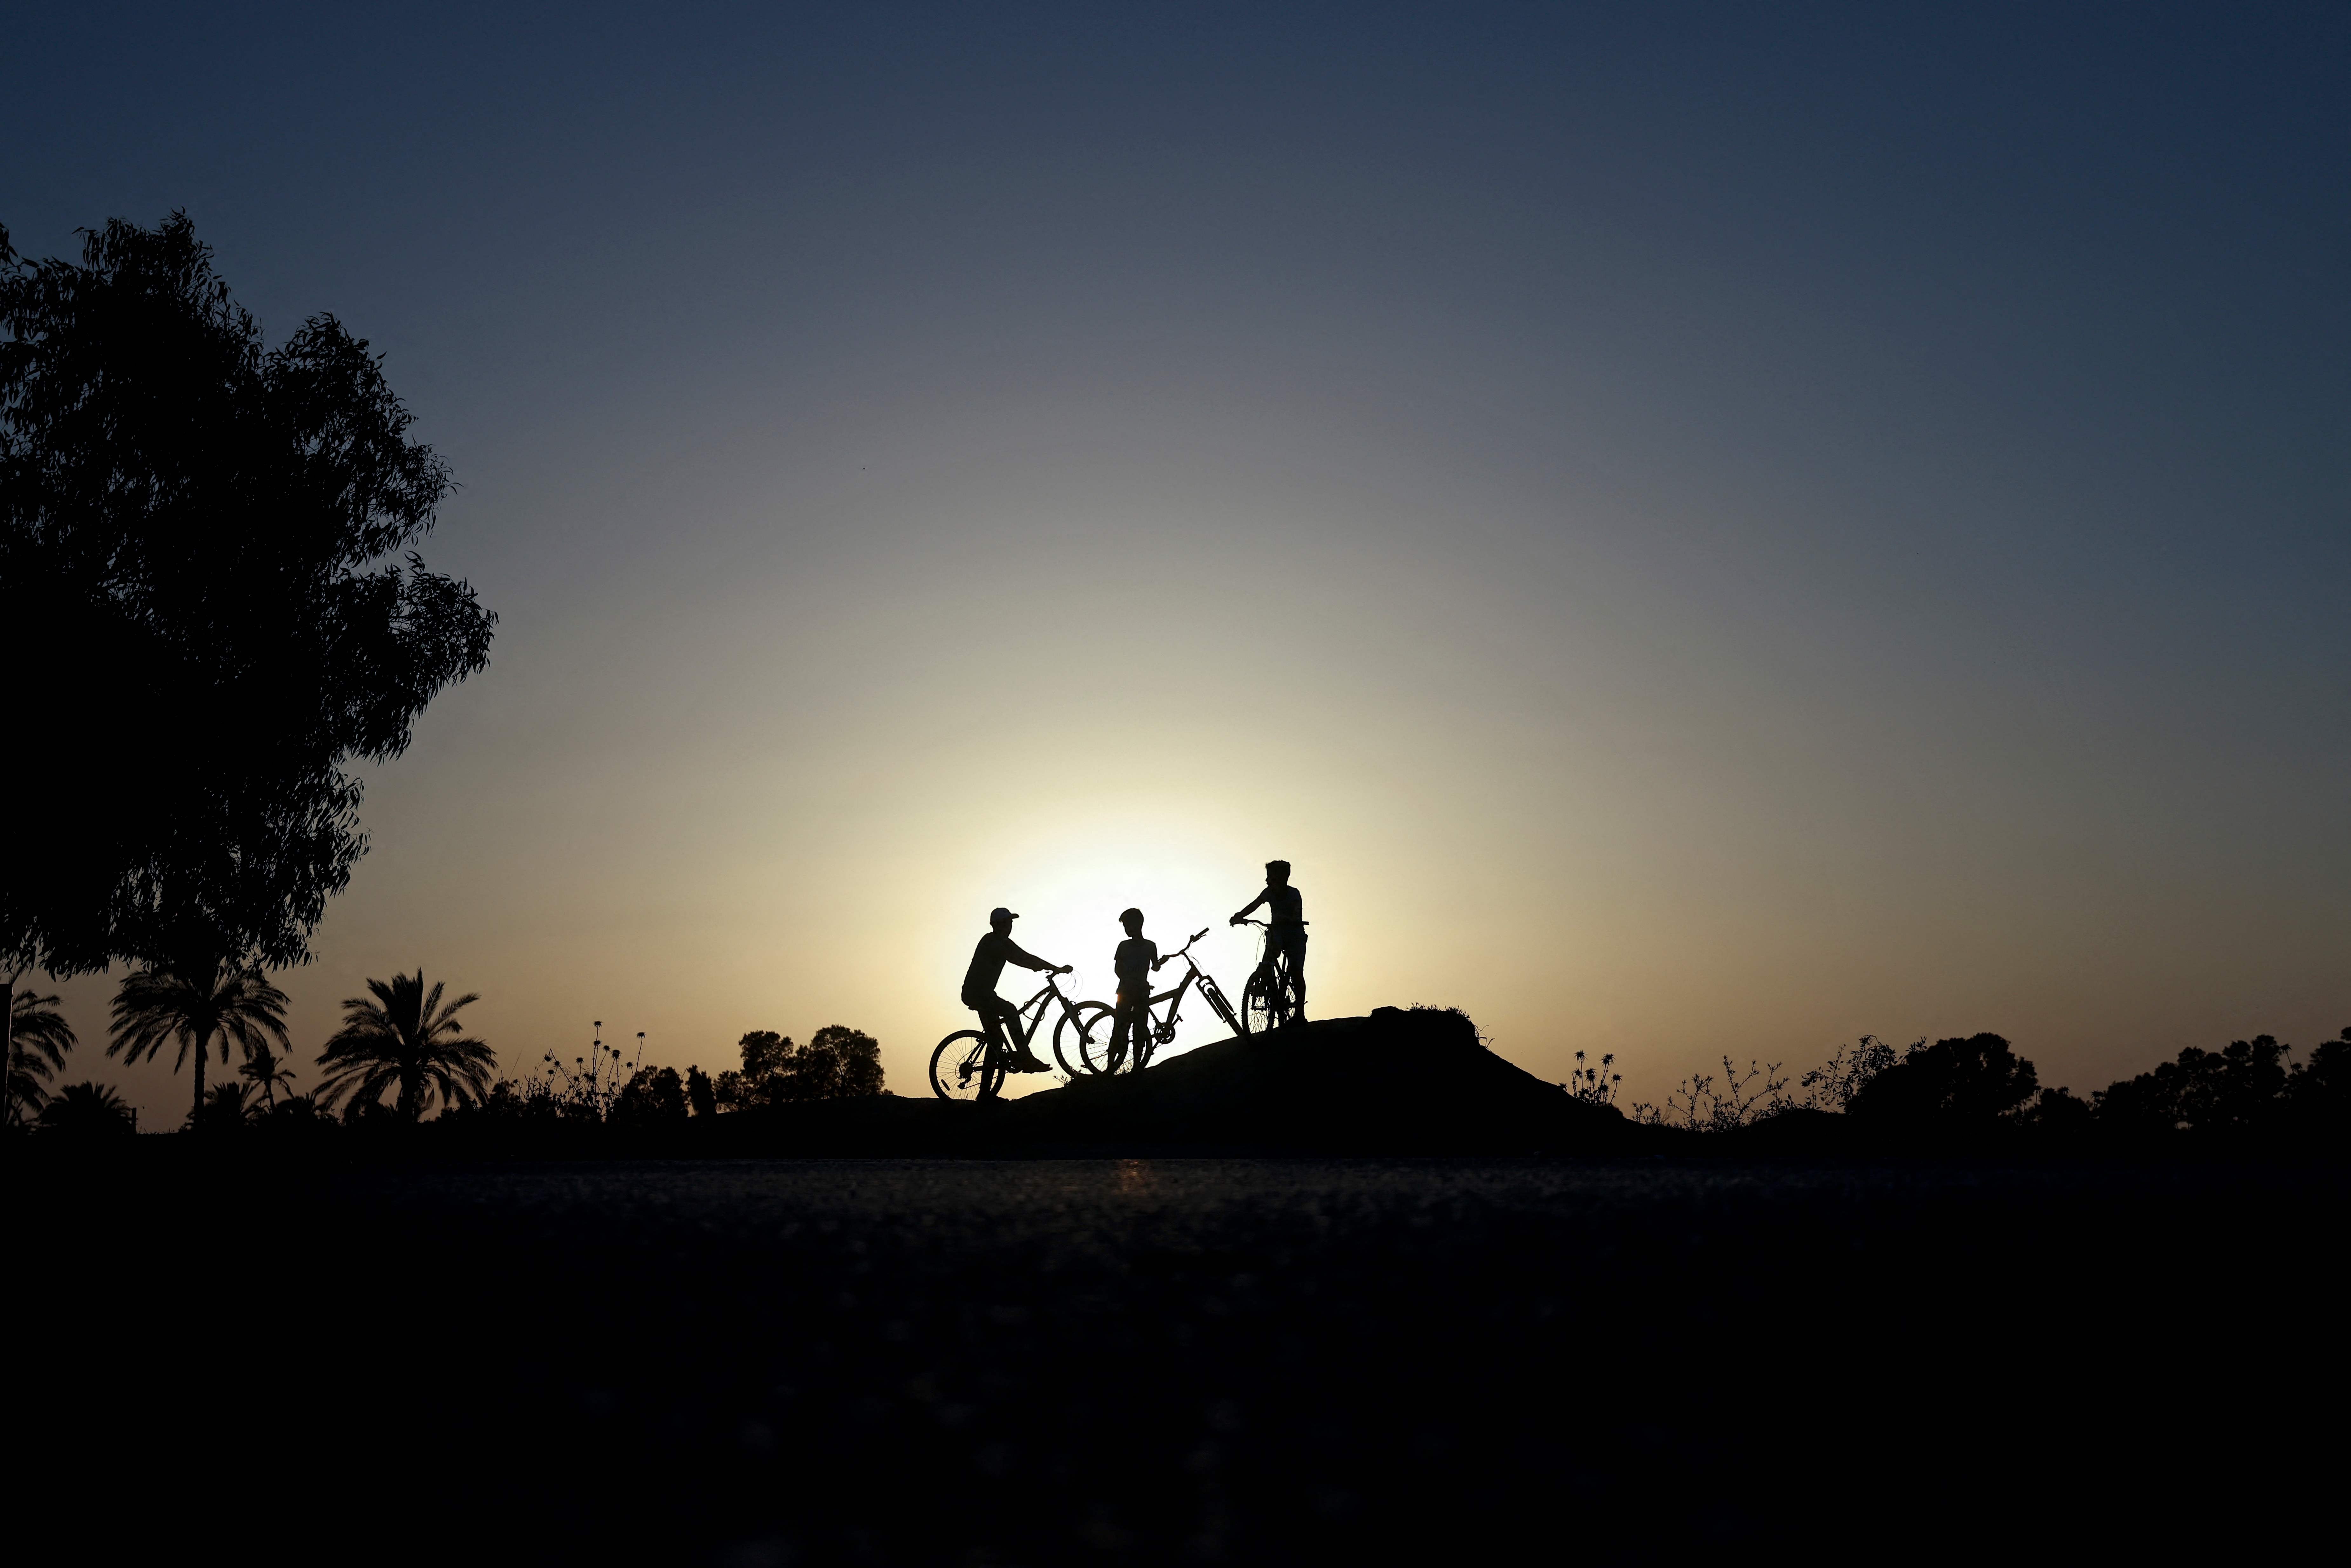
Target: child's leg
column 1127, row 1026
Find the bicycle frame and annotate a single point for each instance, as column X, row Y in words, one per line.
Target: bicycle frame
column 1028, row 1024
column 1163, row 1030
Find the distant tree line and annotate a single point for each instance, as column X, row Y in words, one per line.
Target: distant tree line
column 1977, row 1087
column 401, row 1052
column 837, row 1063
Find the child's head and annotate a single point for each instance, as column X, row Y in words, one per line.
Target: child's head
column 1132, row 920
column 1001, row 919
column 1277, row 872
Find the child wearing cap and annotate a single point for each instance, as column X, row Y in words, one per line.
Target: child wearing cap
column 1000, row 1018
column 1135, row 960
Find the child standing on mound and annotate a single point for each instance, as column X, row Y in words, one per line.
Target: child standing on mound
column 1135, row 960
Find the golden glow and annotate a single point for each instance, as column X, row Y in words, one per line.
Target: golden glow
column 777, row 779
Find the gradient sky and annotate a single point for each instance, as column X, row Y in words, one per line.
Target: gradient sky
column 1700, row 529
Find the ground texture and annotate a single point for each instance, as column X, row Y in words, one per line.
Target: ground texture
column 749, row 1362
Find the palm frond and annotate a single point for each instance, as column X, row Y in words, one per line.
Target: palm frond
column 190, row 1004
column 403, row 1037
column 36, row 1031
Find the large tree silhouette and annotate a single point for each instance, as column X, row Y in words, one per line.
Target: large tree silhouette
column 195, row 1004
column 406, row 1037
column 201, row 579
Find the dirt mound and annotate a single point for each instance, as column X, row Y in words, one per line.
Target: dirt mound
column 1400, row 1081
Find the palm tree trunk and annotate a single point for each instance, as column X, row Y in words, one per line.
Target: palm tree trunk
column 203, row 1044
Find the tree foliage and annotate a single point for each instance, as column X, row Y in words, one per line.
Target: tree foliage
column 654, row 1096
column 403, row 1037
column 1953, row 1084
column 199, row 578
column 2246, row 1088
column 837, row 1063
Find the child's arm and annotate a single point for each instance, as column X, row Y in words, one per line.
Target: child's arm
column 1028, row 960
column 1254, row 903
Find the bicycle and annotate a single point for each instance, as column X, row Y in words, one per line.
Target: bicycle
column 1269, row 998
column 968, row 1065
column 1094, row 1033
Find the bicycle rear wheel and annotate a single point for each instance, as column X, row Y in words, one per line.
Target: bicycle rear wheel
column 963, row 1068
column 1265, row 1001
column 1086, row 1021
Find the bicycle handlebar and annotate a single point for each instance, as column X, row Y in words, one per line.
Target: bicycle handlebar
column 1180, row 952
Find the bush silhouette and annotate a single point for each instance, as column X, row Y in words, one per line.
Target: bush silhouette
column 225, row 1110
column 87, row 1110
column 653, row 1097
column 837, row 1063
column 1952, row 1084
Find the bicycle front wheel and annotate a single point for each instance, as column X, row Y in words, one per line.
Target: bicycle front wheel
column 1081, row 1040
column 963, row 1068
column 1214, row 996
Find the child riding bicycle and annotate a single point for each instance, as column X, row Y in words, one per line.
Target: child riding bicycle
column 1285, row 934
column 987, row 961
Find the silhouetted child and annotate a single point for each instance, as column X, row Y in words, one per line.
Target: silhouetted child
column 1136, row 959
column 1000, row 1018
column 1285, row 918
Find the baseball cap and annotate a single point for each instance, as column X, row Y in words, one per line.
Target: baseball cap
column 1000, row 913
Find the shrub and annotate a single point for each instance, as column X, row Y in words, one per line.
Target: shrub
column 653, row 1097
column 88, row 1110
column 1705, row 1103
column 837, row 1063
column 1953, row 1084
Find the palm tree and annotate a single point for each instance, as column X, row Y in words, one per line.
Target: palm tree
column 405, row 1037
column 268, row 1072
column 192, row 1003
column 38, row 1039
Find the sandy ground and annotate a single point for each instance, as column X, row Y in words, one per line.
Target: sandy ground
column 1174, row 1360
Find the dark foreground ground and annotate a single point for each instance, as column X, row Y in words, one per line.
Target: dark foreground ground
column 1169, row 1360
